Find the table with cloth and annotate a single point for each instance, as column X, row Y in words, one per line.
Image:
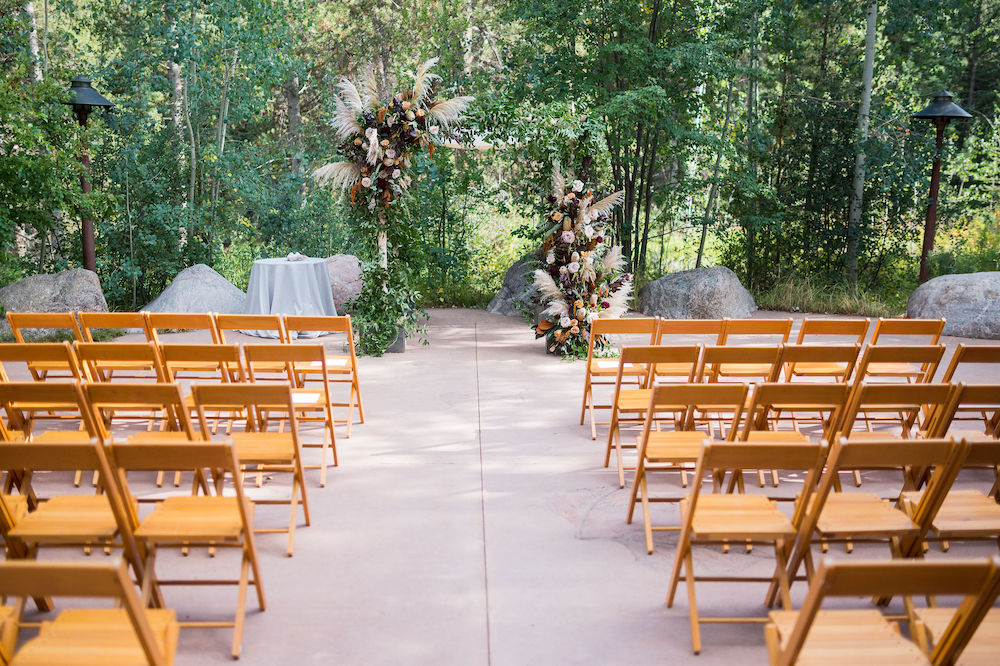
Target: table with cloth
column 290, row 286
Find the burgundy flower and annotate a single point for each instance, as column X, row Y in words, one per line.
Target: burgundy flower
column 554, row 269
column 605, row 305
column 382, row 183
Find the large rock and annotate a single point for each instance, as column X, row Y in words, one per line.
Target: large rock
column 969, row 302
column 75, row 290
column 515, row 296
column 199, row 288
column 345, row 278
column 701, row 293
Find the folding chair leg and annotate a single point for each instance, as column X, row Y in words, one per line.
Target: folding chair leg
column 613, row 426
column 293, row 506
column 675, row 574
column 781, row 574
column 241, row 602
column 584, row 405
column 640, row 472
column 647, row 524
column 692, row 605
column 361, row 405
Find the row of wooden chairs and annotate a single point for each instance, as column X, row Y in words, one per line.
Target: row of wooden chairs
column 821, row 515
column 342, row 368
column 740, row 332
column 207, row 518
column 722, row 411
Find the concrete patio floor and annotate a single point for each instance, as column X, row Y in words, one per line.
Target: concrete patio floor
column 471, row 522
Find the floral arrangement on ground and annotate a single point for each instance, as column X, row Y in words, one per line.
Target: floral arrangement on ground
column 582, row 280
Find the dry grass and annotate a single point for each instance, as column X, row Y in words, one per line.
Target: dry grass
column 796, row 294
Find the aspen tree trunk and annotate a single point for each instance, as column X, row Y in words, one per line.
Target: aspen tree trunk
column 36, row 58
column 713, row 191
column 858, row 193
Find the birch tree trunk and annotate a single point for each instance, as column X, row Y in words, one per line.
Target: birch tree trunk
column 858, row 192
column 36, row 58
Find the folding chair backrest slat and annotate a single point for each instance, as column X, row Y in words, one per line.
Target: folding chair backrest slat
column 96, row 321
column 930, row 329
column 223, row 361
column 254, row 322
column 38, row 352
column 106, row 398
column 181, row 321
column 61, row 396
column 756, row 328
column 966, row 355
column 900, row 398
column 21, row 321
column 708, row 331
column 848, row 328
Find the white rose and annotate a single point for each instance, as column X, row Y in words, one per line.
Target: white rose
column 575, row 257
column 387, row 162
column 371, row 132
column 573, row 266
column 433, row 129
column 550, row 258
column 366, row 182
column 565, row 321
column 577, row 185
column 390, row 153
column 562, row 270
column 395, row 173
column 588, row 231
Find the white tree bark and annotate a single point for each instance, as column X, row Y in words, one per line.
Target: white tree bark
column 36, row 58
column 858, row 193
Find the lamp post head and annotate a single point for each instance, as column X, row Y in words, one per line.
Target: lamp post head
column 85, row 98
column 942, row 109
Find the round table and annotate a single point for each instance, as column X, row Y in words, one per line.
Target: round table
column 280, row 286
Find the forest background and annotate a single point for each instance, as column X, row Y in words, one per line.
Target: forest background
column 731, row 125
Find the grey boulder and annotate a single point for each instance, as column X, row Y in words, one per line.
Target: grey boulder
column 516, row 295
column 199, row 288
column 75, row 290
column 345, row 278
column 969, row 302
column 700, row 293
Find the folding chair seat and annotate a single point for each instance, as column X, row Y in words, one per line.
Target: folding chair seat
column 832, row 363
column 269, row 326
column 112, row 361
column 215, row 520
column 720, row 518
column 599, row 370
column 629, row 405
column 842, row 636
column 181, row 321
column 93, row 322
column 341, row 368
column 860, row 516
column 312, row 403
column 670, row 451
column 914, row 408
column 69, row 520
column 131, row 634
column 983, row 647
column 22, row 322
column 898, row 331
column 274, row 451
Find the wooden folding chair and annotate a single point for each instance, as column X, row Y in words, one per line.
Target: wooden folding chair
column 216, row 362
column 341, row 368
column 756, row 331
column 690, row 331
column 758, row 363
column 966, row 355
column 599, row 371
column 35, row 355
column 670, row 451
column 865, row 517
column 842, row 636
column 312, row 403
column 721, row 518
column 69, row 520
column 275, row 451
column 772, row 403
column 111, row 361
column 20, row 322
column 966, row 514
column 975, row 403
column 831, row 363
column 832, row 331
column 629, row 405
column 129, row 634
column 196, row 520
column 27, row 403
column 91, row 322
column 915, row 409
column 180, row 321
column 271, row 324
column 896, row 332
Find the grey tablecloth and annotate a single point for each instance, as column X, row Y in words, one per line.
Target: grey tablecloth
column 279, row 286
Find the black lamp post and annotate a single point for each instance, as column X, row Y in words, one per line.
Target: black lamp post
column 85, row 99
column 941, row 111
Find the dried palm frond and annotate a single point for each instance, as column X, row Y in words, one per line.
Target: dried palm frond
column 547, row 287
column 340, row 175
column 581, row 213
column 369, row 90
column 449, row 111
column 345, row 121
column 613, row 259
column 607, row 203
column 556, row 309
column 558, row 184
column 350, row 96
column 422, row 81
column 587, row 273
column 618, row 302
column 374, row 151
